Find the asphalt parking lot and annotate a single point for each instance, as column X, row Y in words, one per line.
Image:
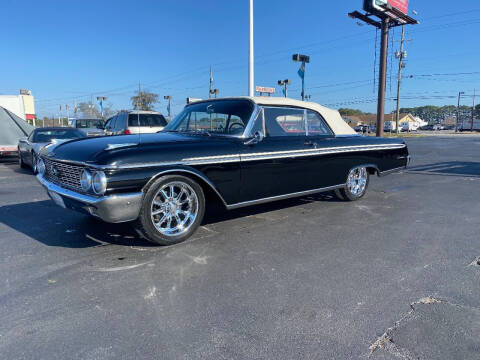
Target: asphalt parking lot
column 393, row 276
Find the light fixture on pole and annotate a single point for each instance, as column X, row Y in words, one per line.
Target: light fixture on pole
column 101, row 99
column 304, row 59
column 169, row 98
column 284, row 83
column 214, row 92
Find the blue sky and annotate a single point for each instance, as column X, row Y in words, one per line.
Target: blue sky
column 66, row 50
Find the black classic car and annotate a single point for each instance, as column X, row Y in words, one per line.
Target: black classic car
column 243, row 150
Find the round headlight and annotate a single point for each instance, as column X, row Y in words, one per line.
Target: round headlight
column 86, row 180
column 99, row 182
column 41, row 167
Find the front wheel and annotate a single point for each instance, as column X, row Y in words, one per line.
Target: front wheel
column 172, row 210
column 34, row 164
column 356, row 186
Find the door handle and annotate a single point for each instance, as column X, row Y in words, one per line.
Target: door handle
column 310, row 143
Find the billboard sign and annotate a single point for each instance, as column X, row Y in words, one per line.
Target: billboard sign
column 376, row 6
column 264, row 89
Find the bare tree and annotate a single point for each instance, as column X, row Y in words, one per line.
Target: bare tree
column 88, row 110
column 144, row 100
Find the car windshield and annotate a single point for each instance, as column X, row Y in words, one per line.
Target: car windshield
column 148, row 120
column 225, row 117
column 44, row 136
column 89, row 124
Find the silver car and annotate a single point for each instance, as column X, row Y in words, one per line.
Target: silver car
column 29, row 147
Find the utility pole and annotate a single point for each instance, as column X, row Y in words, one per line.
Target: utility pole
column 458, row 109
column 101, row 99
column 473, row 108
column 383, row 76
column 211, row 83
column 250, row 55
column 214, row 92
column 400, row 56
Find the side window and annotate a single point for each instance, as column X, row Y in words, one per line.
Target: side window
column 30, row 137
column 120, row 122
column 112, row 122
column 284, row 121
column 316, row 124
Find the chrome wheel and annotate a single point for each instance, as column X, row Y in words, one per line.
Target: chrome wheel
column 34, row 163
column 174, row 208
column 357, row 181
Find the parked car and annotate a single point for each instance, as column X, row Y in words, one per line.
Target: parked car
column 243, row 151
column 135, row 122
column 426, row 128
column 28, row 147
column 91, row 127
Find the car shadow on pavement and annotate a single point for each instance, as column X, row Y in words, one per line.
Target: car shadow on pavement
column 53, row 226
column 449, row 168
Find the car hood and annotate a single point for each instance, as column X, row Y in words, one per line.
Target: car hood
column 105, row 149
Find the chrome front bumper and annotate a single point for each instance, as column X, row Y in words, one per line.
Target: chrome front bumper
column 112, row 208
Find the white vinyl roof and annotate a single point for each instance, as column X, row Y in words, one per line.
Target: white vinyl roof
column 331, row 116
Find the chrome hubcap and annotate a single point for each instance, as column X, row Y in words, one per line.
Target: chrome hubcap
column 174, row 208
column 357, row 181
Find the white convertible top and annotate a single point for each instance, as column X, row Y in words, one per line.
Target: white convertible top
column 331, row 116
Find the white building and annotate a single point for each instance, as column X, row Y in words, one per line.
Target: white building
column 21, row 105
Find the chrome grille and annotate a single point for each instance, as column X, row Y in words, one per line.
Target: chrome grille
column 64, row 175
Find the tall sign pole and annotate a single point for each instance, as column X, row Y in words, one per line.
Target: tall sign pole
column 473, row 108
column 401, row 56
column 391, row 13
column 382, row 81
column 250, row 55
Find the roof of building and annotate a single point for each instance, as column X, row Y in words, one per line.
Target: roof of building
column 332, row 117
column 12, row 127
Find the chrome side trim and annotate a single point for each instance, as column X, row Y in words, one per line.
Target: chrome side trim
column 218, row 159
column 283, row 197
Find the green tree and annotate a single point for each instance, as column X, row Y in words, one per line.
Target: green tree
column 350, row 112
column 144, row 100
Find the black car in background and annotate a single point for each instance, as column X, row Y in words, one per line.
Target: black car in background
column 243, row 151
column 28, row 147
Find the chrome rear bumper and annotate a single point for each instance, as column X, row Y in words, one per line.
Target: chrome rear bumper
column 112, row 208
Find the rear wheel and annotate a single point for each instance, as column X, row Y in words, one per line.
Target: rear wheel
column 356, row 186
column 20, row 161
column 172, row 210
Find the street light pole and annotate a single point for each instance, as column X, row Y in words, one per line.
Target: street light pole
column 169, row 98
column 250, row 54
column 304, row 59
column 284, row 83
column 101, row 99
column 473, row 108
column 458, row 109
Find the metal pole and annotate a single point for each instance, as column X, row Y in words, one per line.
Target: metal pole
column 169, row 107
column 400, row 64
column 250, row 55
column 458, row 110
column 473, row 108
column 285, row 84
column 383, row 77
column 211, row 83
column 303, row 81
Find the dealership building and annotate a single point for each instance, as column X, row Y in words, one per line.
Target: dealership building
column 21, row 105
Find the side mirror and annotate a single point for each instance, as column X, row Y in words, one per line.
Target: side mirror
column 257, row 137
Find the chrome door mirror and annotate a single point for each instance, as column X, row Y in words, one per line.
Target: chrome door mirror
column 257, row 137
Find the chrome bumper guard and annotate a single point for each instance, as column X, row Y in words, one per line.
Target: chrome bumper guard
column 112, row 208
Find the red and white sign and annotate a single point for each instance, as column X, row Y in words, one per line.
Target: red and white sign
column 263, row 89
column 401, row 5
